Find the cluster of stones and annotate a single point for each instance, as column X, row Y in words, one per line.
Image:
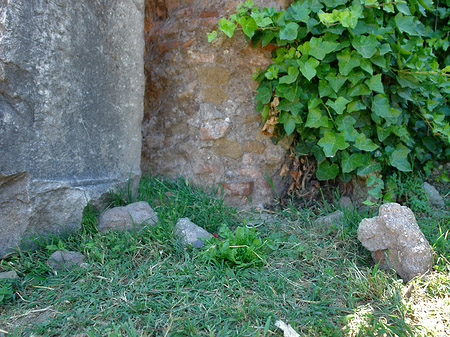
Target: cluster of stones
column 200, row 120
column 393, row 237
column 133, row 216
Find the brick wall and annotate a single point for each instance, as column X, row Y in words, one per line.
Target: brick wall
column 200, row 120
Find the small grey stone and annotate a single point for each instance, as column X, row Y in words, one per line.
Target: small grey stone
column 345, row 203
column 434, row 197
column 11, row 275
column 396, row 242
column 191, row 233
column 123, row 218
column 198, row 243
column 334, row 218
column 65, row 259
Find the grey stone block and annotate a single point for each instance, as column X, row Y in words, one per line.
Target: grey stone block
column 65, row 259
column 71, row 106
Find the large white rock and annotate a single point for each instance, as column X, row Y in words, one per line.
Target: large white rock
column 396, row 242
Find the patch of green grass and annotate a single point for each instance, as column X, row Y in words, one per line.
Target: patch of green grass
column 147, row 283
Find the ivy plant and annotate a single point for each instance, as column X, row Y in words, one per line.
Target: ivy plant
column 362, row 85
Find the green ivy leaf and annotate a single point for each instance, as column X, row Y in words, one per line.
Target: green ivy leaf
column 347, row 62
column 384, row 132
column 320, row 48
column 380, row 61
column 249, row 25
column 227, row 27
column 291, row 77
column 267, row 37
column 287, row 91
column 369, row 168
column 365, row 45
column 366, row 65
column 365, row 144
column 289, row 32
column 289, row 121
column 336, row 81
column 356, row 77
column 345, row 124
column 374, row 83
column 377, row 185
column 359, row 90
column 350, row 163
column 356, row 106
column 325, row 171
column 325, row 89
column 338, row 105
column 381, row 107
column 399, row 158
column 331, row 143
column 316, row 119
column 300, row 11
column 261, row 19
column 212, row 36
column 264, row 95
column 272, row 73
column 308, row 68
column 406, row 24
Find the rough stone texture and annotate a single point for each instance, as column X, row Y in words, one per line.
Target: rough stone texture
column 434, row 197
column 71, row 106
column 345, row 203
column 200, row 121
column 15, row 210
column 191, row 233
column 65, row 259
column 396, row 242
column 124, row 218
column 11, row 275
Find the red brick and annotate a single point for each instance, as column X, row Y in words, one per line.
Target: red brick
column 209, row 22
column 209, row 168
column 169, row 45
column 240, row 189
column 166, row 30
column 183, row 13
column 171, row 4
column 201, row 57
column 188, row 43
column 209, row 14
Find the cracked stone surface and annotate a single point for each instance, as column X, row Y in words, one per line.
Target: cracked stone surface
column 396, row 241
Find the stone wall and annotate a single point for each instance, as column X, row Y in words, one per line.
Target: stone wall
column 71, row 106
column 200, row 120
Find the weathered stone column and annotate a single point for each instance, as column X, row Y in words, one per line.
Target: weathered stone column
column 71, row 106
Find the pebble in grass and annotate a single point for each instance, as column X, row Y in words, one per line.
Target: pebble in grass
column 434, row 197
column 396, row 242
column 191, row 234
column 126, row 217
column 10, row 275
column 65, row 259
